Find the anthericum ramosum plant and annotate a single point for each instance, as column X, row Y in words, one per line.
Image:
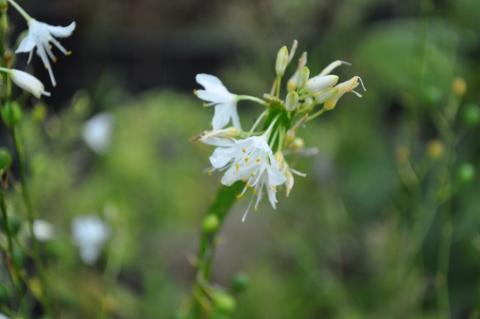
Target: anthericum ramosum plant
column 255, row 160
column 32, row 285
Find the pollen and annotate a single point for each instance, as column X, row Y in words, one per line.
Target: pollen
column 246, row 159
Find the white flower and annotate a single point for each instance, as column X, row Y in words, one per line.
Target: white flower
column 97, row 132
column 28, row 83
column 321, row 82
column 250, row 160
column 43, row 230
column 2, row 316
column 341, row 89
column 216, row 94
column 90, row 234
column 40, row 36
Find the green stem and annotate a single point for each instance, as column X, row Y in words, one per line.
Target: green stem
column 20, row 10
column 317, row 114
column 220, row 208
column 31, row 219
column 11, row 265
column 251, row 98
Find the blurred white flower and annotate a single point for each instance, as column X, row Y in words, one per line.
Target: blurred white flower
column 90, row 234
column 28, row 83
column 97, row 132
column 2, row 316
column 250, row 160
column 216, row 94
column 41, row 36
column 43, row 230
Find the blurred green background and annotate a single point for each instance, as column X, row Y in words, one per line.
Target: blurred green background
column 357, row 238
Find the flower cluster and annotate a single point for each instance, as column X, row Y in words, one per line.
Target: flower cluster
column 257, row 157
column 39, row 39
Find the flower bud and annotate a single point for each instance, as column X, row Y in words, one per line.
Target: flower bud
column 28, row 83
column 282, row 61
column 210, row 224
column 471, row 115
column 341, row 89
column 5, row 160
column 11, row 114
column 224, row 303
column 466, row 173
column 291, row 102
column 298, row 144
column 299, row 79
column 240, row 282
column 459, row 86
column 321, row 82
column 435, row 149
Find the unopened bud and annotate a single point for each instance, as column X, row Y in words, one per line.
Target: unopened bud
column 471, row 115
column 291, row 102
column 5, row 160
column 282, row 61
column 224, row 303
column 11, row 114
column 459, row 86
column 299, row 79
column 435, row 149
column 321, row 82
column 466, row 173
column 210, row 224
column 298, row 144
column 240, row 282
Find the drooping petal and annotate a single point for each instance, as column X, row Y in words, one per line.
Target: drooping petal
column 62, row 32
column 27, row 44
column 223, row 114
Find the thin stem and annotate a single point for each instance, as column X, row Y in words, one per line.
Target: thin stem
column 20, row 10
column 31, row 219
column 220, row 208
column 257, row 122
column 317, row 114
column 12, row 266
column 252, row 98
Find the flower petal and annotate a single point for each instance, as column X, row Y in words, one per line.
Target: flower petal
column 62, row 32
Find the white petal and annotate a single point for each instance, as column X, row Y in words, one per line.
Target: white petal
column 223, row 114
column 62, row 32
column 27, row 44
column 275, row 176
column 209, row 81
column 28, row 83
column 214, row 96
column 221, row 157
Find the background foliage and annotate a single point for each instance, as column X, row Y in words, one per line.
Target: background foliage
column 356, row 239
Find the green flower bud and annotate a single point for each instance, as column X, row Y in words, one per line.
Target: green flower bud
column 224, row 303
column 5, row 160
column 240, row 282
column 291, row 102
column 466, row 173
column 210, row 224
column 11, row 114
column 282, row 61
column 471, row 115
column 432, row 95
